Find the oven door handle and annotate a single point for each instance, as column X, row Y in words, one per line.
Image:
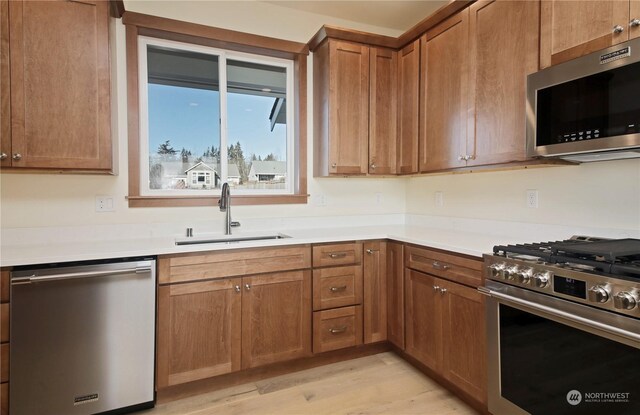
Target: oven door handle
column 562, row 315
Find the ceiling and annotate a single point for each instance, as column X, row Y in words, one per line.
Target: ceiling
column 399, row 15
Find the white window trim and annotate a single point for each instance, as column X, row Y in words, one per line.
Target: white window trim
column 223, row 55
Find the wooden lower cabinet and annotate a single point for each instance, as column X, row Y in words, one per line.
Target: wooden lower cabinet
column 445, row 330
column 375, row 291
column 276, row 318
column 199, row 330
column 214, row 327
column 337, row 328
column 395, row 294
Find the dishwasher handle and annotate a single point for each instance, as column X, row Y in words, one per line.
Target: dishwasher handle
column 75, row 275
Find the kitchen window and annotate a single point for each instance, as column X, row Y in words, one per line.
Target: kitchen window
column 209, row 110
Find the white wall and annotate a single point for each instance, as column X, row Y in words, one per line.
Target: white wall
column 30, row 200
column 599, row 195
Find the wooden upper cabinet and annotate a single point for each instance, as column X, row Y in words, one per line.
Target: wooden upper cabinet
column 634, row 19
column 443, row 94
column 199, row 330
column 341, row 104
column 383, row 111
column 569, row 29
column 408, row 101
column 464, row 339
column 374, row 266
column 503, row 50
column 276, row 317
column 5, row 88
column 60, row 85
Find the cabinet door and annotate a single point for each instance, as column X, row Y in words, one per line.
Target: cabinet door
column 634, row 19
column 199, row 329
column 408, row 101
column 276, row 318
column 443, row 109
column 375, row 291
column 395, row 294
column 382, row 110
column 464, row 339
column 423, row 322
column 499, row 62
column 60, row 84
column 5, row 85
column 348, row 107
column 569, row 29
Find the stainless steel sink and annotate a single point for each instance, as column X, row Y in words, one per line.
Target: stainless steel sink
column 230, row 239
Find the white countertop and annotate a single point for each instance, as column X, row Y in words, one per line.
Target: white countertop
column 474, row 238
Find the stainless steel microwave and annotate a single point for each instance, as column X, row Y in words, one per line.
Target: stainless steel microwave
column 587, row 109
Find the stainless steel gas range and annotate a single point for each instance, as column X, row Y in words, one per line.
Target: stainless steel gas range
column 563, row 325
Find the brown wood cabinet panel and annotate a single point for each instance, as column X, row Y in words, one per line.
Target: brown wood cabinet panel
column 374, row 305
column 4, row 322
column 569, row 29
column 4, row 362
column 218, row 264
column 4, row 399
column 452, row 267
column 337, row 287
column 395, row 293
column 443, row 92
column 423, row 320
column 499, row 62
column 60, row 84
column 348, row 107
column 464, row 339
column 383, row 110
column 408, row 102
column 634, row 13
column 337, row 254
column 5, row 87
column 276, row 318
column 199, row 330
column 4, row 285
column 337, row 328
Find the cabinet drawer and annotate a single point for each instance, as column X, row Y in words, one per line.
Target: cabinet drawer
column 220, row 264
column 4, row 322
column 337, row 287
column 4, row 286
column 337, row 254
column 452, row 267
column 337, row 328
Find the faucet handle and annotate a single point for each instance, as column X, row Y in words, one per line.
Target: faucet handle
column 234, row 224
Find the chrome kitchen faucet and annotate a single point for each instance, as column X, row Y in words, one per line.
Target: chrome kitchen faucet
column 225, row 206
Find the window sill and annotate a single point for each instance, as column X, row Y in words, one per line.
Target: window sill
column 186, row 201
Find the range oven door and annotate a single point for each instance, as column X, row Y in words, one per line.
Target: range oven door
column 552, row 356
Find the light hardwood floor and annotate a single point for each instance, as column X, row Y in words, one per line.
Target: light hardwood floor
column 378, row 384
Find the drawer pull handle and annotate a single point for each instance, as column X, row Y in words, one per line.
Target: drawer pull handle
column 338, row 255
column 438, row 265
column 443, row 291
column 371, row 251
column 436, row 287
column 338, row 330
column 337, row 289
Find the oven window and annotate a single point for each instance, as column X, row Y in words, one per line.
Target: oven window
column 551, row 368
column 602, row 105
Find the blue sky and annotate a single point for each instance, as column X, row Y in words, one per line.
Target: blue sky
column 188, row 118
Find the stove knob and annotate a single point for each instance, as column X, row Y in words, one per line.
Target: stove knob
column 497, row 269
column 510, row 273
column 524, row 276
column 624, row 300
column 598, row 294
column 541, row 279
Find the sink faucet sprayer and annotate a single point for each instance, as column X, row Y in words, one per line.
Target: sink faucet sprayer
column 225, row 206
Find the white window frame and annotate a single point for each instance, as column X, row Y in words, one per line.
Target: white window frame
column 223, row 55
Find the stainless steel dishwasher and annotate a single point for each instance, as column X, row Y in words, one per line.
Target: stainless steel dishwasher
column 82, row 338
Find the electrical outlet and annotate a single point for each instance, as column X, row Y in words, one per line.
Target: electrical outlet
column 439, row 199
column 378, row 199
column 104, row 204
column 532, row 199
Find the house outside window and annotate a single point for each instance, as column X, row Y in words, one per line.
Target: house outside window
column 209, row 116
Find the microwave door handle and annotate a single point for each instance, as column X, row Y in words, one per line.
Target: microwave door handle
column 565, row 316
